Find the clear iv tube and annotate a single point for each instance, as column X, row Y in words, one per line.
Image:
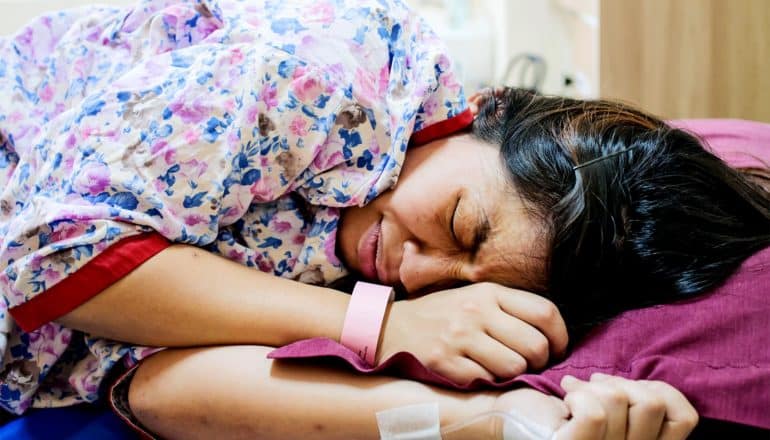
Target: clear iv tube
column 515, row 427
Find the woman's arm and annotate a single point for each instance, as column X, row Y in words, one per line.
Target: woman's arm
column 186, row 296
column 247, row 396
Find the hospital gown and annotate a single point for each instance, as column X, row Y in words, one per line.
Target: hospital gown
column 238, row 127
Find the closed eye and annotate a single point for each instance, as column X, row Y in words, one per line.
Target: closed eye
column 452, row 227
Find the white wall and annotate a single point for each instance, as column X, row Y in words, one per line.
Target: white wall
column 564, row 32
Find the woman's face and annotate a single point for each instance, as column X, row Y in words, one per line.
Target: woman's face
column 452, row 218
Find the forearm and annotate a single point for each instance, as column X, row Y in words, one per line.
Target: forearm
column 185, row 296
column 248, row 396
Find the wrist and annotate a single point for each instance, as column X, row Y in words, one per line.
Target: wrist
column 386, row 336
column 323, row 317
column 363, row 327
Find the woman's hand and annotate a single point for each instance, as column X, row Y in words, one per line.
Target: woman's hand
column 604, row 408
column 482, row 330
column 611, row 407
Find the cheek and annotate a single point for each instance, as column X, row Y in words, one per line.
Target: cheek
column 419, row 214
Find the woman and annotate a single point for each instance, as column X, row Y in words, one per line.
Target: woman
column 136, row 156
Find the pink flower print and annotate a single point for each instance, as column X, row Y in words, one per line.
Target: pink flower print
column 64, row 231
column 229, row 105
column 298, row 239
column 300, row 70
column 251, row 114
column 329, row 251
column 50, row 276
column 47, row 93
column 170, row 156
column 189, row 112
column 93, row 178
column 450, row 82
column 268, row 95
column 322, row 12
column 158, row 146
column 194, row 219
column 333, row 160
column 236, row 56
column 298, row 126
column 430, row 106
column 87, row 131
column 281, row 227
column 70, row 141
column 15, row 117
column 364, row 87
column 261, row 190
column 191, row 136
column 307, row 88
column 382, row 83
column 236, row 255
column 160, row 185
column 443, row 62
column 194, row 168
column 263, row 264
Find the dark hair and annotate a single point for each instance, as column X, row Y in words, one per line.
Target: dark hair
column 659, row 218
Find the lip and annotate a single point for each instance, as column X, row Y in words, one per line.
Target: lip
column 368, row 251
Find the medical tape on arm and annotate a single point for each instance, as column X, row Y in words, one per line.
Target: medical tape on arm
column 422, row 422
column 411, row 422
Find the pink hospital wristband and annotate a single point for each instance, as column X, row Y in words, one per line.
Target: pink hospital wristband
column 363, row 320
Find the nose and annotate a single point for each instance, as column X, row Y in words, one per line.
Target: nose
column 424, row 270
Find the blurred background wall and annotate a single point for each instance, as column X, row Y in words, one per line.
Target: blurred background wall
column 675, row 58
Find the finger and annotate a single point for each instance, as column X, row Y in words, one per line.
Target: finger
column 615, row 403
column 462, row 370
column 613, row 400
column 681, row 417
column 496, row 358
column 538, row 312
column 520, row 337
column 646, row 408
column 588, row 417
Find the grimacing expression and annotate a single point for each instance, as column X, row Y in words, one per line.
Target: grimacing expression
column 452, row 218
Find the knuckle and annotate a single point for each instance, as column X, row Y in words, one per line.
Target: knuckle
column 470, row 307
column 614, row 396
column 545, row 312
column 516, row 367
column 436, row 358
column 597, row 419
column 538, row 352
column 458, row 331
column 654, row 405
column 692, row 418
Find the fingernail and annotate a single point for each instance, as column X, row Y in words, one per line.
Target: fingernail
column 568, row 380
column 599, row 376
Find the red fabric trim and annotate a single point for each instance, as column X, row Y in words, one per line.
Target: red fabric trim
column 443, row 128
column 105, row 269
